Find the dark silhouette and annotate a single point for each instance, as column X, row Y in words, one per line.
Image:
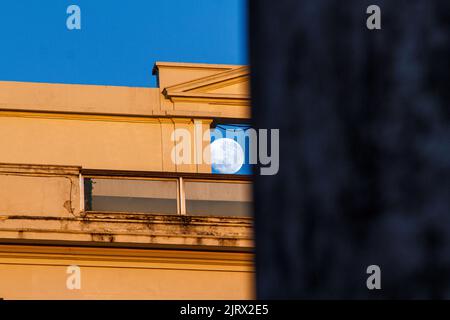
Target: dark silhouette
column 364, row 148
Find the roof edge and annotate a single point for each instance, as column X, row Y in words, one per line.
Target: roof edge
column 159, row 64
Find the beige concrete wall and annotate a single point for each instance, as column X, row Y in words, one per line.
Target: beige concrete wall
column 121, row 128
column 102, row 144
column 39, row 191
column 118, row 128
column 78, row 98
column 109, row 142
column 28, row 196
column 150, row 102
column 41, row 273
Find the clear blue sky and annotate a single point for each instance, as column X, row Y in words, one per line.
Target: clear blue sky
column 119, row 40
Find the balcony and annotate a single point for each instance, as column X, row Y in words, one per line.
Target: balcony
column 71, row 205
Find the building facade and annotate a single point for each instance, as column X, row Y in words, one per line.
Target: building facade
column 98, row 201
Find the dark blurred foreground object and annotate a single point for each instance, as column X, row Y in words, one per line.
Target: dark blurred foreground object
column 364, row 148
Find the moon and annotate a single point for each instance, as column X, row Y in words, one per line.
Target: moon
column 227, row 156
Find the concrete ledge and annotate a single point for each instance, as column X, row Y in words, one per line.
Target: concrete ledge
column 140, row 229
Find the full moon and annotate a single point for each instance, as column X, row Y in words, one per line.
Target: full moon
column 227, row 156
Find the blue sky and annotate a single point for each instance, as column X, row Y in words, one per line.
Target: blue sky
column 119, row 40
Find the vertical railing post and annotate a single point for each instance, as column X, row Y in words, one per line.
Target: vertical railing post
column 181, row 197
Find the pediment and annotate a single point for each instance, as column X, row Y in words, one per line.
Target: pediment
column 224, row 85
column 203, row 90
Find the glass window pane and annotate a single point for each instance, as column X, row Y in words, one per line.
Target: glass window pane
column 218, row 198
column 131, row 195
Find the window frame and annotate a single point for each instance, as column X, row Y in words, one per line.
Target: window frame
column 180, row 178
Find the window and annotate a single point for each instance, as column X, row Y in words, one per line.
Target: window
column 174, row 195
column 131, row 195
column 218, row 198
